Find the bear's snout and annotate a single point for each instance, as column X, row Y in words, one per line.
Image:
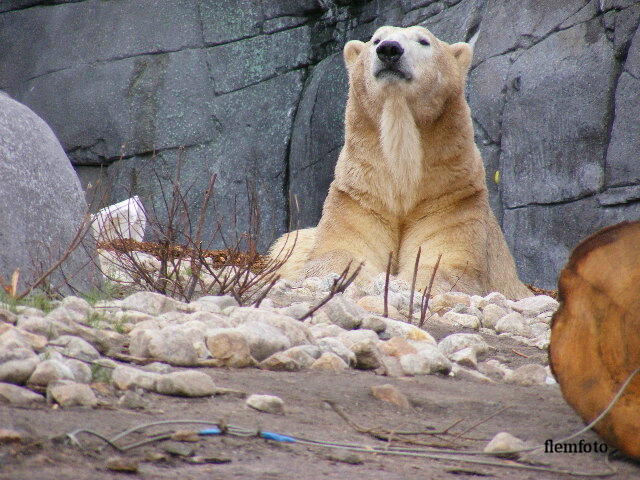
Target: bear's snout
column 389, row 52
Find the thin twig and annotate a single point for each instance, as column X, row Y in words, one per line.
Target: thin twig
column 385, row 313
column 427, row 293
column 413, row 282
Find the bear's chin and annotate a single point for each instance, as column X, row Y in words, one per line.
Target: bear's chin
column 392, row 74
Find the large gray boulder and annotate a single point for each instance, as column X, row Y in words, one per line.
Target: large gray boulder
column 41, row 201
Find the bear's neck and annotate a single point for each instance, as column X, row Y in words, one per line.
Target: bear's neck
column 406, row 159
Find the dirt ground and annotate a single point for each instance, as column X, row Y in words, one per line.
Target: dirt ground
column 533, row 414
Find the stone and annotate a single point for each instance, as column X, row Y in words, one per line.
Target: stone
column 491, row 314
column 504, row 442
column 7, row 316
column 345, row 456
column 322, row 330
column 375, row 304
column 49, row 371
column 288, row 361
column 133, row 400
column 329, row 362
column 446, row 301
column 174, row 346
column 80, row 370
column 534, row 306
column 375, row 323
column 296, row 331
column 368, row 355
column 20, row 396
column 77, row 304
column 396, row 328
column 11, row 436
column 493, row 369
column 513, row 323
column 459, row 341
column 266, row 403
column 529, row 374
column 220, row 301
column 188, row 383
column 150, row 303
column 461, row 320
column 461, row 372
column 344, row 313
column 44, row 200
column 333, row 345
column 69, row 394
column 125, row 378
column 11, row 337
column 351, row 337
column 389, row 393
column 18, row 371
column 496, row 298
column 397, row 346
column 425, row 362
column 264, row 340
column 76, row 347
column 466, row 357
column 122, row 464
column 231, row 347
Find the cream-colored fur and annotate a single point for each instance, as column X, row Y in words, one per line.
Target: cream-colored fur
column 409, row 176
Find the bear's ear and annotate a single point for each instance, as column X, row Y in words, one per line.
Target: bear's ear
column 351, row 51
column 462, row 52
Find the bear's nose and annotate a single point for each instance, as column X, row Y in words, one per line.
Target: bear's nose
column 389, row 51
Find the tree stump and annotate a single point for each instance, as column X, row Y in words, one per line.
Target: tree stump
column 595, row 334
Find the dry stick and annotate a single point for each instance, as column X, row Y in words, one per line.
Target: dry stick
column 484, row 420
column 413, row 283
column 385, row 313
column 340, row 284
column 427, row 293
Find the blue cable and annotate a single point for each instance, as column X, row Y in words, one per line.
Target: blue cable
column 277, row 437
column 266, row 435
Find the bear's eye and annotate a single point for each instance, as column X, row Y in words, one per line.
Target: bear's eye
column 424, row 41
column 376, row 41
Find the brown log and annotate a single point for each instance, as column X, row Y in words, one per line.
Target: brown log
column 595, row 334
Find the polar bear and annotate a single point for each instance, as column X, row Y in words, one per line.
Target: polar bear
column 409, row 175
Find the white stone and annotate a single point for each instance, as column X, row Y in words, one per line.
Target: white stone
column 81, row 371
column 329, row 362
column 529, row 374
column 188, row 383
column 18, row 371
column 534, row 306
column 296, row 331
column 20, row 396
column 333, row 345
column 461, row 320
column 498, row 299
column 466, row 357
column 288, row 361
column 504, row 442
column 446, row 301
column 149, row 302
column 375, row 323
column 78, row 305
column 220, row 301
column 350, row 337
column 425, row 362
column 264, row 339
column 344, row 312
column 69, row 394
column 368, row 355
column 49, row 371
column 76, row 347
column 491, row 314
column 459, row 341
column 230, row 347
column 322, row 330
column 266, row 403
column 396, row 328
column 515, row 324
column 125, row 377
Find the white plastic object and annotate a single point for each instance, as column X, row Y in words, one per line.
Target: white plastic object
column 126, row 219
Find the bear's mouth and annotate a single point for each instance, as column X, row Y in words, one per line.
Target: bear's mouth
column 391, row 72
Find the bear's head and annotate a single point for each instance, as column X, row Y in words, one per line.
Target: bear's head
column 407, row 62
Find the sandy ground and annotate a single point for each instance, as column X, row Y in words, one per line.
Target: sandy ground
column 533, row 414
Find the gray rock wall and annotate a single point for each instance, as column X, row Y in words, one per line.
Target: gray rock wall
column 256, row 90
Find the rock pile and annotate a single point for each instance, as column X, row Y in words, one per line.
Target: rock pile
column 62, row 351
